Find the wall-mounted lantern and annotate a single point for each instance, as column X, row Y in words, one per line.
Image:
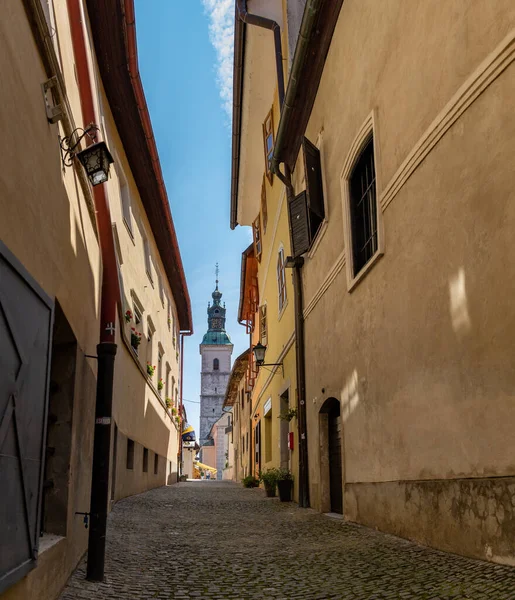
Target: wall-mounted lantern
column 96, row 160
column 259, row 354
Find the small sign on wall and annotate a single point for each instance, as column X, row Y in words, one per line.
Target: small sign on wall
column 268, row 407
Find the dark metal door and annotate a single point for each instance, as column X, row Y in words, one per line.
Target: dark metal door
column 26, row 314
column 335, row 463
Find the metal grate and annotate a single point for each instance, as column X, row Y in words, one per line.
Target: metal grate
column 363, row 208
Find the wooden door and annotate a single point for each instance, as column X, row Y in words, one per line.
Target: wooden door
column 335, row 463
column 26, row 315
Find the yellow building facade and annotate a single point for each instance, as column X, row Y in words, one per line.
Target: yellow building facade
column 259, row 201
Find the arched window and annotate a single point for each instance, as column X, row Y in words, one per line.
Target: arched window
column 216, row 364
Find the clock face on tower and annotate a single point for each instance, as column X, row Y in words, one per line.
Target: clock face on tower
column 216, row 323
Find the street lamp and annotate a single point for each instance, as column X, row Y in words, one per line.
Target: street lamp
column 96, row 160
column 259, row 354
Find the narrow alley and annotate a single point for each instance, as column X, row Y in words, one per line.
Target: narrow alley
column 215, row 540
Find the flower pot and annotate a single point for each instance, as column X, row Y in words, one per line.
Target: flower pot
column 270, row 491
column 285, row 487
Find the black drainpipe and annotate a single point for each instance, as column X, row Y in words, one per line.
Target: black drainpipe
column 273, row 26
column 296, row 265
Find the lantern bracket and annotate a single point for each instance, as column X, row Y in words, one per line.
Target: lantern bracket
column 70, row 144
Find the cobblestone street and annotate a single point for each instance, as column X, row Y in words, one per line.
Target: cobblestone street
column 215, row 540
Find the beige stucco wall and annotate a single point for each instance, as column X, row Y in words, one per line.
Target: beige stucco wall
column 419, row 352
column 46, row 224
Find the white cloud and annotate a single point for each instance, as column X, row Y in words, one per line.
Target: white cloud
column 221, row 35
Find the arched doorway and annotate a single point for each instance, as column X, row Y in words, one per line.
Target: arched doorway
column 331, row 456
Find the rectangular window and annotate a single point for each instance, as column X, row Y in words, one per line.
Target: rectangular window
column 130, row 454
column 268, row 143
column 169, row 313
column 268, row 437
column 145, row 460
column 156, row 464
column 314, row 187
column 159, row 367
column 363, row 208
column 281, row 279
column 161, row 288
column 242, row 398
column 146, row 252
column 125, row 198
column 256, row 231
column 264, row 208
column 263, row 332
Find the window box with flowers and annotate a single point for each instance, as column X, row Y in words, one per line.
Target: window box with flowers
column 168, row 402
column 151, row 369
column 135, row 339
column 128, row 316
column 160, row 385
column 174, row 411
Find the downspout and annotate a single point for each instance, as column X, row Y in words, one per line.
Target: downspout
column 309, row 18
column 273, row 26
column 243, row 16
column 106, row 349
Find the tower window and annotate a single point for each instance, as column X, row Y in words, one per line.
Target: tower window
column 216, row 364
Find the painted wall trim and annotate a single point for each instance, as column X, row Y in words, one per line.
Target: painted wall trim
column 484, row 75
column 326, row 284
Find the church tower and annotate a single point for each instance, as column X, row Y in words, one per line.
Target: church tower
column 215, row 350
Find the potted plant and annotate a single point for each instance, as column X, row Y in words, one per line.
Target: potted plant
column 290, row 414
column 169, row 403
column 284, row 484
column 151, row 369
column 174, row 410
column 128, row 316
column 135, row 338
column 160, row 385
column 250, row 481
column 269, row 479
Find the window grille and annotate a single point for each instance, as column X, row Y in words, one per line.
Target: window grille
column 281, row 279
column 363, row 208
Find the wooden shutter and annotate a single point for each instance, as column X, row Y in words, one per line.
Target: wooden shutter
column 314, row 187
column 298, row 213
column 26, row 316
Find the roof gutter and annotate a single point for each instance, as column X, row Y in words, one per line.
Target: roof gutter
column 243, row 17
column 309, row 20
column 132, row 65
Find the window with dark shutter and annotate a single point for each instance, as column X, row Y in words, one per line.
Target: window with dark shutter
column 307, row 209
column 363, row 208
column 299, row 224
column 314, row 187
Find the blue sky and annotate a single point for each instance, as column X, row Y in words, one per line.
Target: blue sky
column 184, row 59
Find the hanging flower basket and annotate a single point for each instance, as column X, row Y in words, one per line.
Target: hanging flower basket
column 151, row 369
column 128, row 316
column 160, row 385
column 135, row 338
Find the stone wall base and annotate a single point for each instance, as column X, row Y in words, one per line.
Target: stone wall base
column 472, row 517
